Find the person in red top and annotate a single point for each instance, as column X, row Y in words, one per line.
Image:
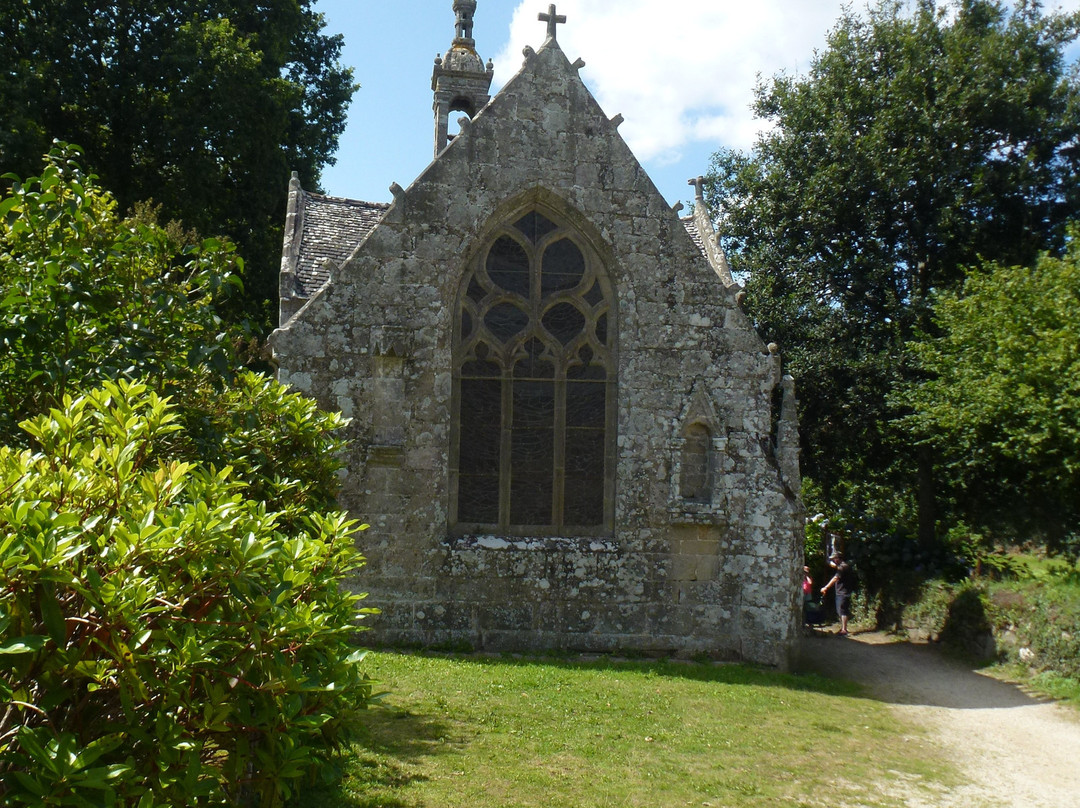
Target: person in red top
column 842, row 582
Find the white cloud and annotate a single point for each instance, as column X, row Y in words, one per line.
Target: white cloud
column 682, row 73
column 679, row 73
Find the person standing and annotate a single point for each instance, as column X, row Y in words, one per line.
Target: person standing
column 842, row 583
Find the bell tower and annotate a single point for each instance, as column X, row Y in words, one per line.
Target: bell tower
column 460, row 80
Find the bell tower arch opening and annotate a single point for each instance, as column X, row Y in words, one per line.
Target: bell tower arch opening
column 460, row 80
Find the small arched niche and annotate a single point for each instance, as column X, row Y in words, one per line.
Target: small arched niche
column 695, row 468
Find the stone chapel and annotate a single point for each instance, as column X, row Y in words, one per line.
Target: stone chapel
column 565, row 432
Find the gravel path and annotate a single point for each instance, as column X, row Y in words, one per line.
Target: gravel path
column 1015, row 749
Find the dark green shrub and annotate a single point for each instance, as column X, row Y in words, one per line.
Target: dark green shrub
column 891, row 565
column 166, row 639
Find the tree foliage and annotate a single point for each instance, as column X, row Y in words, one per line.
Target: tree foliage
column 173, row 627
column 86, row 296
column 1002, row 397
column 165, row 639
column 917, row 142
column 203, row 107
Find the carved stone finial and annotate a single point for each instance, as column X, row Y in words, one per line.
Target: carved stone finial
column 618, row 119
column 578, row 63
column 463, row 25
column 528, row 52
column 552, row 19
column 699, row 187
column 397, row 207
column 678, row 206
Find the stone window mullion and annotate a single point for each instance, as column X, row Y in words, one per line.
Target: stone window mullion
column 559, row 471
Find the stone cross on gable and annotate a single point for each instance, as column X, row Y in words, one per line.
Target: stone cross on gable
column 552, row 19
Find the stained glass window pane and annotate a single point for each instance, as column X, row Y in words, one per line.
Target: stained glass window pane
column 533, row 366
column 508, row 266
column 584, row 489
column 592, row 372
column 601, row 329
column 505, row 320
column 478, row 452
column 594, row 295
column 481, row 369
column 564, row 322
column 585, row 404
column 534, row 404
column 476, row 291
column 532, row 453
column 478, row 498
column 534, row 226
column 562, row 268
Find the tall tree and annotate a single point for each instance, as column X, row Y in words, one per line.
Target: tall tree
column 203, row 107
column 918, row 141
column 1002, row 397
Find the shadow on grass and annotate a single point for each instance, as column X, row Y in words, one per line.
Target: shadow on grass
column 380, row 764
column 728, row 673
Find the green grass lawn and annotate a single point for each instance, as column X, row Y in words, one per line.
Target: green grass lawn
column 483, row 732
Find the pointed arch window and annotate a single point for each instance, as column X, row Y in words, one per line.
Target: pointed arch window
column 534, row 383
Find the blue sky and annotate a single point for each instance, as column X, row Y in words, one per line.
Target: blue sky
column 682, row 74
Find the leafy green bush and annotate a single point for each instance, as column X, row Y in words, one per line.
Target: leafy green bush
column 280, row 444
column 164, row 639
column 173, row 629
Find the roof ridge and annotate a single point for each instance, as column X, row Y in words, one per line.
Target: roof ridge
column 346, row 200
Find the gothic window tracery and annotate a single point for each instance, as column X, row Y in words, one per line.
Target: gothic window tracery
column 534, row 386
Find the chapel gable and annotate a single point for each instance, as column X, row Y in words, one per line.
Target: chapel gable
column 565, row 433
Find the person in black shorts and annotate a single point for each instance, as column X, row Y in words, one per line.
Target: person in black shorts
column 843, row 583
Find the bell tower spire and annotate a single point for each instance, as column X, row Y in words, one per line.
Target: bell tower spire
column 460, row 80
column 463, row 27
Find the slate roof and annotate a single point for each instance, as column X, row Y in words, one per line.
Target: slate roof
column 694, row 233
column 332, row 228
